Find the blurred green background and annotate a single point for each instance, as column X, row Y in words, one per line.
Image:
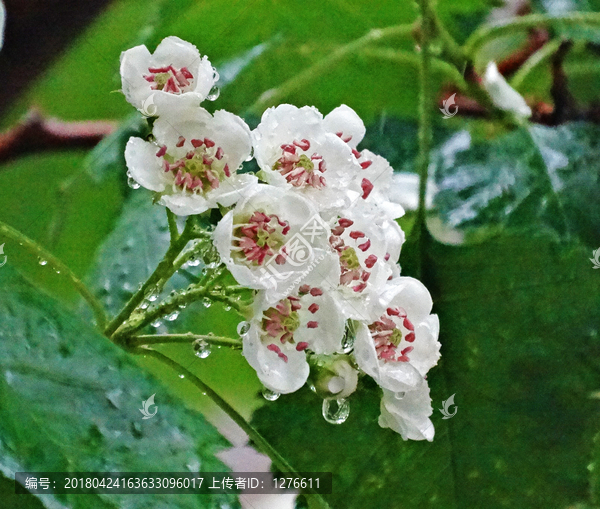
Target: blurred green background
column 518, row 299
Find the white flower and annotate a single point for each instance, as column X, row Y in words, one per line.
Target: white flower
column 173, row 76
column 408, row 413
column 502, row 94
column 273, row 239
column 194, row 160
column 279, row 335
column 294, row 150
column 400, row 346
column 368, row 246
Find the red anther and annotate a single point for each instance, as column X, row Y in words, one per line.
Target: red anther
column 226, row 170
column 316, row 292
column 180, row 141
column 219, row 154
column 283, row 356
column 340, row 134
column 312, row 325
column 365, row 164
column 367, row 187
column 393, row 311
column 149, row 78
column 356, row 153
column 280, row 259
column 159, row 69
column 322, row 166
column 408, row 324
column 161, row 151
column 303, row 345
column 288, row 148
column 207, row 160
column 345, row 222
column 365, row 246
column 338, row 230
column 410, row 337
column 186, row 73
column 403, row 358
column 370, row 261
column 408, row 349
column 365, row 276
column 209, row 143
column 347, row 138
column 303, row 144
column 197, row 143
column 360, row 287
column 313, row 308
column 171, row 86
column 273, row 348
column 387, row 256
column 166, row 166
column 356, row 235
column 190, row 154
column 304, row 289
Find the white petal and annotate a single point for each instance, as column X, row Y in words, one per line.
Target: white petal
column 327, row 337
column 502, row 94
column 426, row 351
column 408, row 415
column 143, row 165
column 134, row 65
column 410, row 294
column 275, row 373
column 345, row 120
column 184, row 204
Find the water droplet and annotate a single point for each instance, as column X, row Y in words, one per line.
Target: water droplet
column 270, row 395
column 132, row 183
column 336, row 411
column 57, row 271
column 42, row 262
column 181, row 376
column 201, row 348
column 399, row 395
column 215, row 74
column 243, row 328
column 251, row 156
column 193, row 262
column 145, row 304
column 349, row 337
column 156, row 324
column 214, row 93
column 206, row 302
column 153, row 297
column 227, row 307
column 173, row 316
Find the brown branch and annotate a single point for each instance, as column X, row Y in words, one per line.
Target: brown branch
column 38, row 134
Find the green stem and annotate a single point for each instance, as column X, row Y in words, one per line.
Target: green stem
column 173, row 231
column 153, row 339
column 163, row 271
column 278, row 461
column 488, row 32
column 425, row 130
column 37, row 250
column 324, row 66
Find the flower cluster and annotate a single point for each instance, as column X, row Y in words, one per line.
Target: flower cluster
column 313, row 233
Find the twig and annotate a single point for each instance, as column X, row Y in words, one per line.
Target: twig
column 153, row 339
column 37, row 134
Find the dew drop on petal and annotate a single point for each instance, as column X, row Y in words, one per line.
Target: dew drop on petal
column 243, row 328
column 214, row 93
column 132, row 183
column 201, row 348
column 336, row 411
column 251, row 155
column 270, row 395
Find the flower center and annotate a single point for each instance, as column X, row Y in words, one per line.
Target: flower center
column 392, row 334
column 259, row 236
column 170, row 79
column 352, row 269
column 279, row 324
column 201, row 169
column 298, row 168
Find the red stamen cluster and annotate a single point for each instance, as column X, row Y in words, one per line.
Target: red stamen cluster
column 297, row 168
column 169, row 79
column 255, row 237
column 387, row 335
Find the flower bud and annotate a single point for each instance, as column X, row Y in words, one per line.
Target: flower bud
column 333, row 377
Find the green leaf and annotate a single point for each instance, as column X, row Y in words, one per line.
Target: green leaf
column 519, row 319
column 546, row 177
column 70, row 402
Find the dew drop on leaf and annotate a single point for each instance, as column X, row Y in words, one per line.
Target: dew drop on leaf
column 201, row 348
